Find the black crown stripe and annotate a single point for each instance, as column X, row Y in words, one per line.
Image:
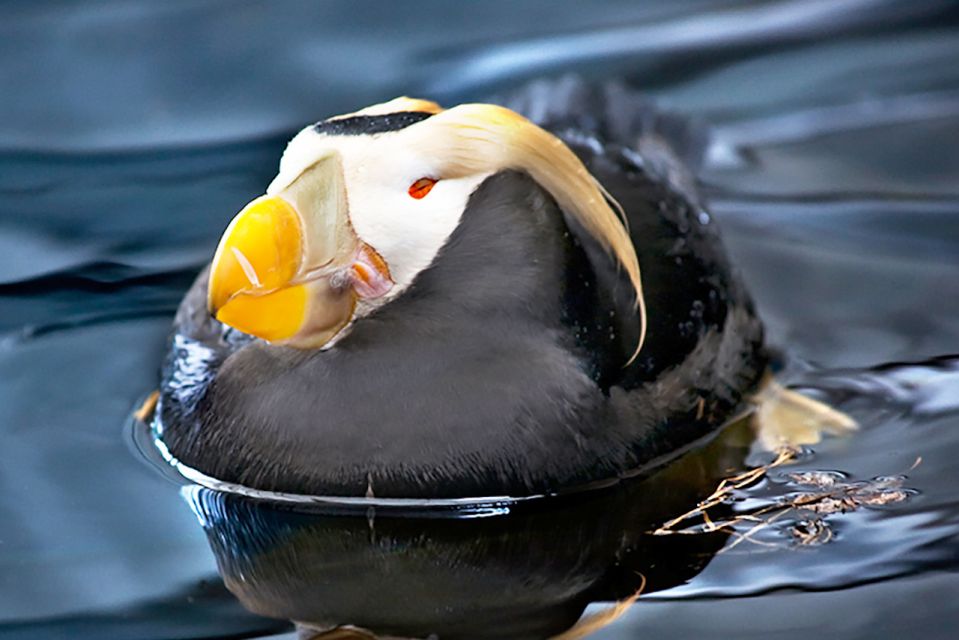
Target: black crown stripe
column 360, row 125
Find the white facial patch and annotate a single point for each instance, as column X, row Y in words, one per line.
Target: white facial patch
column 379, row 170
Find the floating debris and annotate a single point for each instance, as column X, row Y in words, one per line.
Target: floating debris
column 811, row 532
column 804, row 512
column 723, row 494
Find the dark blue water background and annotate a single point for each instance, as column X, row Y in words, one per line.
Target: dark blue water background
column 130, row 132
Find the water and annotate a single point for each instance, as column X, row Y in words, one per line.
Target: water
column 136, row 131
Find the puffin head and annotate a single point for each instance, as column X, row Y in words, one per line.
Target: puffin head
column 364, row 202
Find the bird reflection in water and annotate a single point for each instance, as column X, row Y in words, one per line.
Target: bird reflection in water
column 528, row 573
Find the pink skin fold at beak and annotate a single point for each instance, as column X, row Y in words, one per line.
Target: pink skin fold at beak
column 369, row 274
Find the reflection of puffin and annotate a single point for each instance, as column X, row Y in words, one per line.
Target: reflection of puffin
column 447, row 304
column 511, row 576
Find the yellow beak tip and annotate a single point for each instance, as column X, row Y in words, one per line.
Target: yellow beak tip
column 274, row 317
column 257, row 258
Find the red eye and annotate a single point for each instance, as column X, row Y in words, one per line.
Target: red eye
column 421, row 187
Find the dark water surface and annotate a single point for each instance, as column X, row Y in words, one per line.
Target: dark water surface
column 131, row 132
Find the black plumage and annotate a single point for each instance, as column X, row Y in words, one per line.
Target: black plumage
column 503, row 369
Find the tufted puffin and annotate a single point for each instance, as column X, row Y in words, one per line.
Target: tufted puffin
column 462, row 303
